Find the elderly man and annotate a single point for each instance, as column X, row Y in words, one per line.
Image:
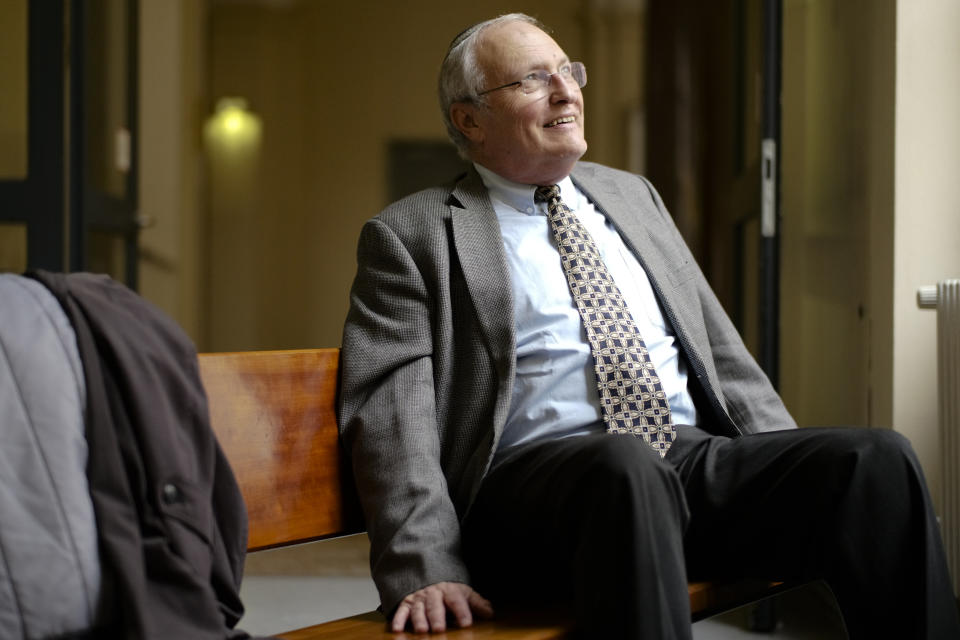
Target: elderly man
column 543, row 399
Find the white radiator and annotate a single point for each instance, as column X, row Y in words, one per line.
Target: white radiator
column 945, row 298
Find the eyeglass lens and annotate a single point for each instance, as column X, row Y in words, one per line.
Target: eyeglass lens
column 575, row 71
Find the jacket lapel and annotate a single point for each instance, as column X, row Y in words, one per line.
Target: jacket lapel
column 632, row 219
column 479, row 248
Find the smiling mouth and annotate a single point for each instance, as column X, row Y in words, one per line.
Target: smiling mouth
column 559, row 121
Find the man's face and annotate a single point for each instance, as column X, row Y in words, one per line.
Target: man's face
column 531, row 138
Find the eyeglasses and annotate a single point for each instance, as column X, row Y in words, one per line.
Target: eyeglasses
column 539, row 80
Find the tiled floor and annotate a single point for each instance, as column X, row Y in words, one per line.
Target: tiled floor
column 291, row 588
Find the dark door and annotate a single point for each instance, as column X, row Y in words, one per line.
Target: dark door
column 713, row 96
column 68, row 188
column 33, row 229
column 104, row 60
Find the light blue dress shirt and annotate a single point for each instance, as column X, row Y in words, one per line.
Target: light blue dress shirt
column 555, row 391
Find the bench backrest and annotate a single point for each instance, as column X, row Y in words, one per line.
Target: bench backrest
column 274, row 413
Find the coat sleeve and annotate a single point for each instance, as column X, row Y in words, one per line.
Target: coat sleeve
column 388, row 421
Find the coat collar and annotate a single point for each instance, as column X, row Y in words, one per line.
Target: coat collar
column 631, row 216
column 637, row 218
column 479, row 247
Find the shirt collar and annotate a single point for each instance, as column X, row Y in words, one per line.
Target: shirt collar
column 520, row 196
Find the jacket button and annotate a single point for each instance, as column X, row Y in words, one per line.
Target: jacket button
column 170, row 493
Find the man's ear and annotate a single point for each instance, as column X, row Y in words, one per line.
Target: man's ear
column 464, row 118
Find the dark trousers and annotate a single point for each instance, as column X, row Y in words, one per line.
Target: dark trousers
column 604, row 522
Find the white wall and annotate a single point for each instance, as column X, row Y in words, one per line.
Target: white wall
column 871, row 210
column 927, row 208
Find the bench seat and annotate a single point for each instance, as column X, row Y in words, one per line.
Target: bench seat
column 274, row 413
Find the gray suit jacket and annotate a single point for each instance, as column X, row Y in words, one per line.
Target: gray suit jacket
column 428, row 360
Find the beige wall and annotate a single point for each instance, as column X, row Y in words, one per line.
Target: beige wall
column 13, row 79
column 837, row 203
column 333, row 84
column 256, row 251
column 13, row 124
column 926, row 244
column 171, row 76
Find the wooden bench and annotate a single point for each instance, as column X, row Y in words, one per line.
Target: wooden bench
column 274, row 414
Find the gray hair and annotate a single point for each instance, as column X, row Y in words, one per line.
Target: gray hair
column 461, row 78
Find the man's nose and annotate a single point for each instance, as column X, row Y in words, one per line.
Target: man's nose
column 560, row 88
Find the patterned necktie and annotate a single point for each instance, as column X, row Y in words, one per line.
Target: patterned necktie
column 631, row 396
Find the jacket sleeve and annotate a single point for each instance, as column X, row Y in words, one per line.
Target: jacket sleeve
column 388, row 421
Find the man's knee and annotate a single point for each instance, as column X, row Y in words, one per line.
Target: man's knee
column 615, row 458
column 887, row 443
column 878, row 467
column 878, row 449
column 631, row 473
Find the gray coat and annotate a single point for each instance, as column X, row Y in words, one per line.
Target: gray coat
column 50, row 572
column 429, row 355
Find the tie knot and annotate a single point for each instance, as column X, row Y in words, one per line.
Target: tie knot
column 547, row 193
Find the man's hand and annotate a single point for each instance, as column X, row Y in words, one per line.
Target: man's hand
column 426, row 609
